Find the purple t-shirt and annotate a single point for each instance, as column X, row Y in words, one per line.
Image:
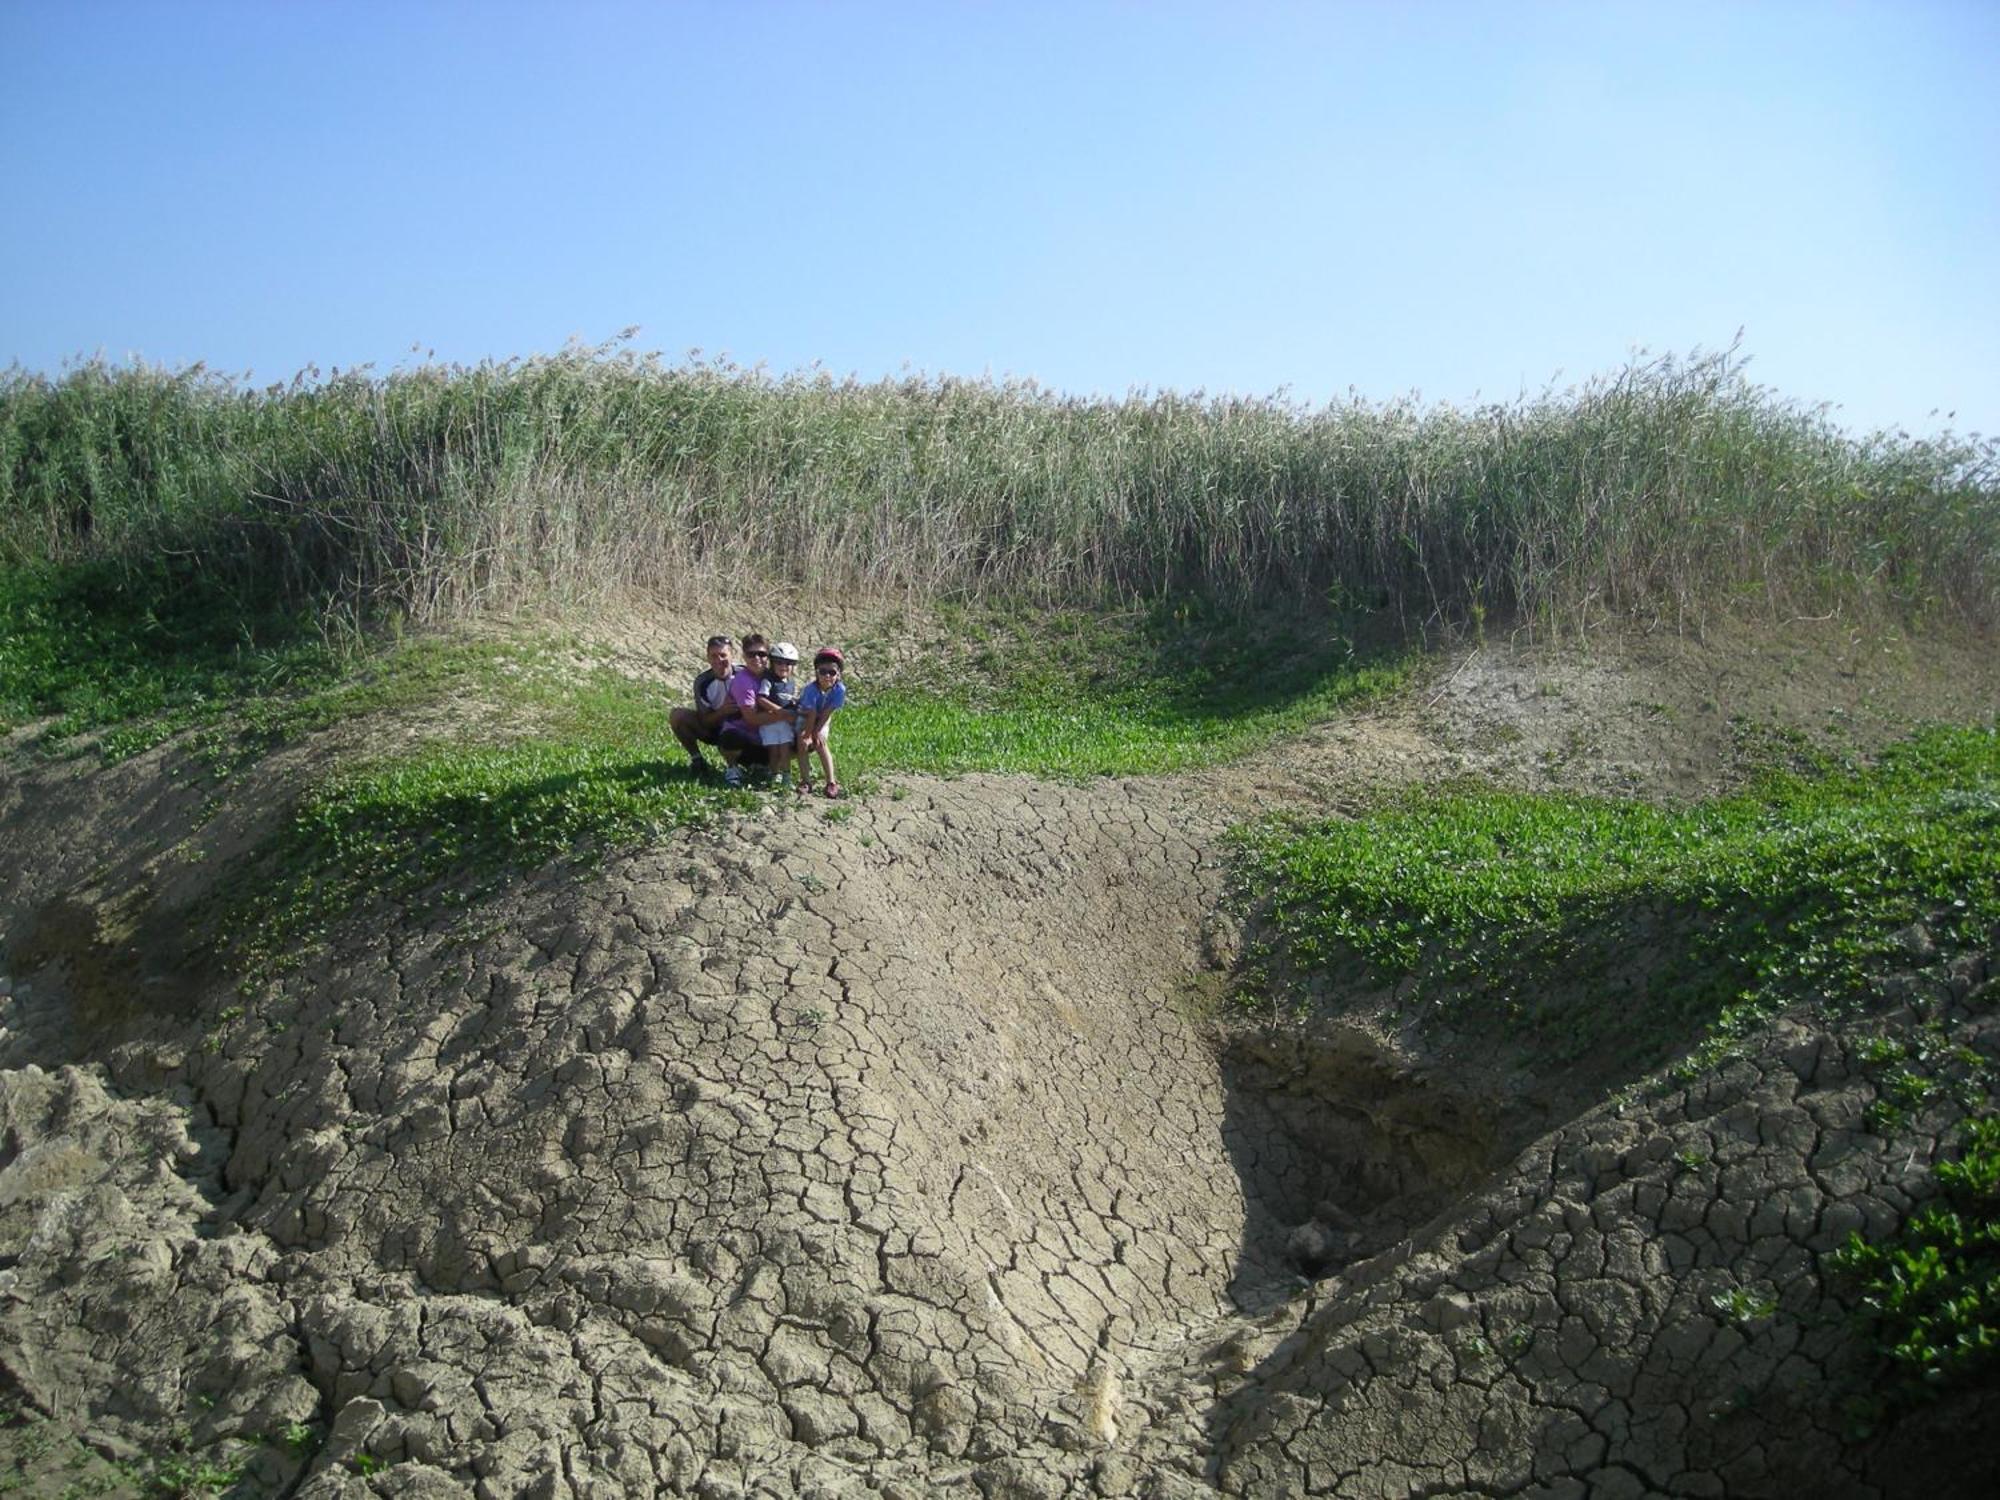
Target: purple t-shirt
column 743, row 689
column 742, row 696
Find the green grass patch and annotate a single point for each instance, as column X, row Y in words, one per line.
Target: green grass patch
column 1587, row 919
column 1929, row 1296
column 128, row 661
column 587, row 766
column 413, row 828
column 591, row 767
column 1071, row 694
column 88, row 645
column 564, row 757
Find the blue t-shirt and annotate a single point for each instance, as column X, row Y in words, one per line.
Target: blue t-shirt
column 813, row 700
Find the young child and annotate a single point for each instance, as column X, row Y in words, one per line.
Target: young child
column 820, row 701
column 780, row 691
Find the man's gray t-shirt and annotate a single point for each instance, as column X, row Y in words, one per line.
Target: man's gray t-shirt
column 709, row 690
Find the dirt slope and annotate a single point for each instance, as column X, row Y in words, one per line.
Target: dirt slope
column 902, row 1155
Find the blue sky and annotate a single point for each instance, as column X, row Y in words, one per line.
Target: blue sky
column 1459, row 200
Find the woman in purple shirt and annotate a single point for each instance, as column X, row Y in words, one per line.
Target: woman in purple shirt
column 741, row 743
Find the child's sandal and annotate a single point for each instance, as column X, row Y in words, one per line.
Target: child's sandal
column 833, row 789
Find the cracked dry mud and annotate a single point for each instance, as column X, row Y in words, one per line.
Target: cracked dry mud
column 900, row 1155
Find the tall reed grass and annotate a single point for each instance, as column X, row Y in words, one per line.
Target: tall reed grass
column 1669, row 488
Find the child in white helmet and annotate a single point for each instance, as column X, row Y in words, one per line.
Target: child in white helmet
column 780, row 690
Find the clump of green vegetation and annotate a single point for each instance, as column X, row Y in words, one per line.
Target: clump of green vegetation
column 1928, row 1064
column 1930, row 1295
column 88, row 644
column 1586, row 919
column 85, row 655
column 1744, row 1305
column 47, row 1456
column 86, row 649
column 189, row 1476
column 297, row 1438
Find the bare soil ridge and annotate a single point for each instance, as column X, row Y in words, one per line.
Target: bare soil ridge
column 904, row 1154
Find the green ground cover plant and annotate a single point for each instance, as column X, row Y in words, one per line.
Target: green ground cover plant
column 51, row 1459
column 84, row 653
column 1072, row 693
column 1588, row 920
column 87, row 657
column 586, row 764
column 87, row 644
column 1929, row 1295
column 427, row 822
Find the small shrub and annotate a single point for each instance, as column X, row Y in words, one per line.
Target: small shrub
column 1743, row 1305
column 1929, row 1296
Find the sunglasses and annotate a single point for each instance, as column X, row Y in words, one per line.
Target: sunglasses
column 828, row 671
column 757, row 653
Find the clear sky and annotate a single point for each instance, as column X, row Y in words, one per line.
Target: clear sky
column 1461, row 200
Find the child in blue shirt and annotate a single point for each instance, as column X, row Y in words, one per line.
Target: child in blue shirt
column 820, row 701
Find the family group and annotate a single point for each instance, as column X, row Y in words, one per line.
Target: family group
column 759, row 715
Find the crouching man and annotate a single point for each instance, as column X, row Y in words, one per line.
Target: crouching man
column 702, row 724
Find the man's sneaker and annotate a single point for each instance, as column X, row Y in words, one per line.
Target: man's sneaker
column 781, row 781
column 733, row 776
